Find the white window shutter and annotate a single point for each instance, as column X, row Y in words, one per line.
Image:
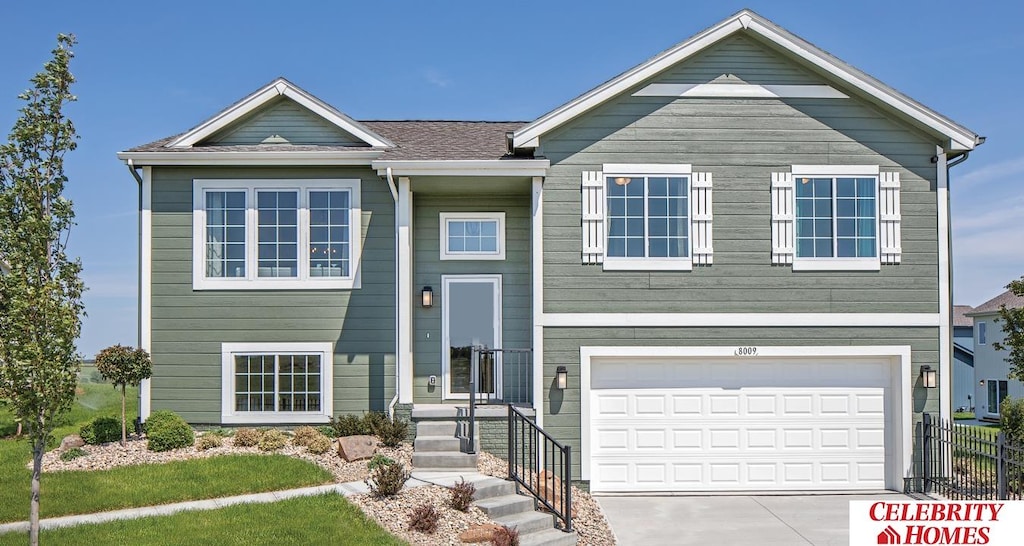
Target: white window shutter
column 700, row 205
column 889, row 244
column 783, row 232
column 593, row 202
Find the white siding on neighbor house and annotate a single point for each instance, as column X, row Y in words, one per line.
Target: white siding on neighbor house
column 990, row 364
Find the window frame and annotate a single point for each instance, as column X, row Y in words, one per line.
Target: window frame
column 982, row 333
column 835, row 263
column 446, row 254
column 228, row 413
column 251, row 281
column 648, row 170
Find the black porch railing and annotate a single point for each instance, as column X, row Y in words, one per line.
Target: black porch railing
column 497, row 376
column 965, row 462
column 541, row 465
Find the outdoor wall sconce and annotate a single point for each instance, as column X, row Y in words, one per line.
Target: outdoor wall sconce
column 981, row 382
column 427, row 297
column 561, row 378
column 929, row 377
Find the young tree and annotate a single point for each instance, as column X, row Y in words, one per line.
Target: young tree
column 124, row 366
column 42, row 293
column 1013, row 326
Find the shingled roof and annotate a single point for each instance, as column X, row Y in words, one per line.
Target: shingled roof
column 960, row 317
column 1008, row 298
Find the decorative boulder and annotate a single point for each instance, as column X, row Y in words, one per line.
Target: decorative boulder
column 479, row 533
column 353, row 448
column 70, row 441
column 551, row 490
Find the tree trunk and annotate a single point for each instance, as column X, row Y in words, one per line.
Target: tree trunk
column 124, row 424
column 38, row 448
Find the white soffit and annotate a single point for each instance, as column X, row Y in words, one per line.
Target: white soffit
column 740, row 91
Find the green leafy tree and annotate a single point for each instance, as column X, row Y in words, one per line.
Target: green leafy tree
column 124, row 366
column 40, row 318
column 1013, row 327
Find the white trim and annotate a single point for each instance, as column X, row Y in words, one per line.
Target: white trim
column 537, row 263
column 267, row 158
column 497, row 217
column 837, row 264
column 446, row 281
column 899, row 356
column 146, row 288
column 303, row 280
column 656, row 320
column 748, row 21
column 647, row 264
column 740, row 90
column 404, row 291
column 835, row 170
column 267, row 93
column 463, row 167
column 945, row 272
column 230, row 416
column 612, row 169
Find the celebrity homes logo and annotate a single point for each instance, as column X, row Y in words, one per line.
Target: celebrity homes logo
column 950, row 522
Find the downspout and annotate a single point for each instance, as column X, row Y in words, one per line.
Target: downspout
column 135, row 174
column 394, row 195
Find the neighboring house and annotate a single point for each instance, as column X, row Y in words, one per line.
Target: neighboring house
column 775, row 340
column 991, row 370
column 963, row 359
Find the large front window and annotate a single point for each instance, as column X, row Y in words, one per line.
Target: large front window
column 648, row 216
column 276, row 234
column 276, row 382
column 836, row 217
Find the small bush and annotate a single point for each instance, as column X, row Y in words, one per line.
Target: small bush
column 73, row 454
column 1011, row 419
column 387, row 480
column 319, row 444
column 505, row 536
column 327, row 431
column 209, row 440
column 380, row 460
column 273, row 440
column 424, row 519
column 222, row 432
column 462, row 495
column 166, row 430
column 391, row 433
column 248, row 437
column 372, row 420
column 302, row 435
column 101, row 430
column 349, row 425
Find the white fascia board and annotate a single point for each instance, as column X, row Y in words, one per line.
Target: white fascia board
column 664, row 320
column 252, row 158
column 276, row 88
column 484, row 167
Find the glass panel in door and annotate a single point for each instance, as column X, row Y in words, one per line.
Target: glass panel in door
column 472, row 321
column 997, row 390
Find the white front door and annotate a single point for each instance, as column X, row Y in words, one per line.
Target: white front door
column 471, row 307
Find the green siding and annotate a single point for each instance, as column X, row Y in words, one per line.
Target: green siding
column 741, row 142
column 516, row 288
column 288, row 119
column 189, row 326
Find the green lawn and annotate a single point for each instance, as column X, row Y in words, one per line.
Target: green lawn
column 963, row 415
column 323, row 519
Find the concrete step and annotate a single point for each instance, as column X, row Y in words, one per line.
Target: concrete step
column 436, row 428
column 550, row 537
column 493, row 487
column 528, row 522
column 437, row 443
column 505, row 505
column 443, row 460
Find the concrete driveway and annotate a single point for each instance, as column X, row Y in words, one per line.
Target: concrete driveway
column 724, row 520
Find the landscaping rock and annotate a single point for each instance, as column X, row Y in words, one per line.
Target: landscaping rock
column 479, row 533
column 354, row 448
column 70, row 441
column 551, row 490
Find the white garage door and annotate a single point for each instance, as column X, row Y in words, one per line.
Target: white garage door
column 731, row 425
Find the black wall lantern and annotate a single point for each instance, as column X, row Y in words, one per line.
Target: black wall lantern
column 561, row 378
column 929, row 377
column 427, row 296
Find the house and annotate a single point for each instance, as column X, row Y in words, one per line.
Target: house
column 963, row 358
column 991, row 370
column 724, row 269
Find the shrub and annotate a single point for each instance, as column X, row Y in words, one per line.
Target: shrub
column 166, row 430
column 209, row 440
column 505, row 536
column 391, row 433
column 373, row 420
column 462, row 495
column 73, row 454
column 327, row 431
column 303, row 435
column 380, row 460
column 248, row 437
column 273, row 440
column 1011, row 412
column 349, row 425
column 101, row 430
column 387, row 480
column 319, row 444
column 424, row 519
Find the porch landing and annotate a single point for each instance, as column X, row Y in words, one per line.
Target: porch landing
column 454, row 411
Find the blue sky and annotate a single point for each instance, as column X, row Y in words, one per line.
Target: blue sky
column 149, row 71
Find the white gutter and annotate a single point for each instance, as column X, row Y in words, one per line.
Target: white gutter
column 394, row 195
column 277, row 157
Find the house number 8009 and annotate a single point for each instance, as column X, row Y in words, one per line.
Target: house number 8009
column 746, row 351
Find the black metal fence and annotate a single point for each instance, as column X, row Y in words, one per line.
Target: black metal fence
column 541, row 465
column 966, row 462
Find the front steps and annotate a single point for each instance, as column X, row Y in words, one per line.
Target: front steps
column 437, row 448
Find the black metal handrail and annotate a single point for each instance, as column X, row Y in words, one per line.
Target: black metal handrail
column 521, row 392
column 541, row 465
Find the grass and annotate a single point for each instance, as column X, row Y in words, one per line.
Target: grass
column 322, row 519
column 963, row 415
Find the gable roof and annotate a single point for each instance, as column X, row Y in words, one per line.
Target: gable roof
column 1008, row 298
column 254, row 101
column 746, row 21
column 960, row 317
